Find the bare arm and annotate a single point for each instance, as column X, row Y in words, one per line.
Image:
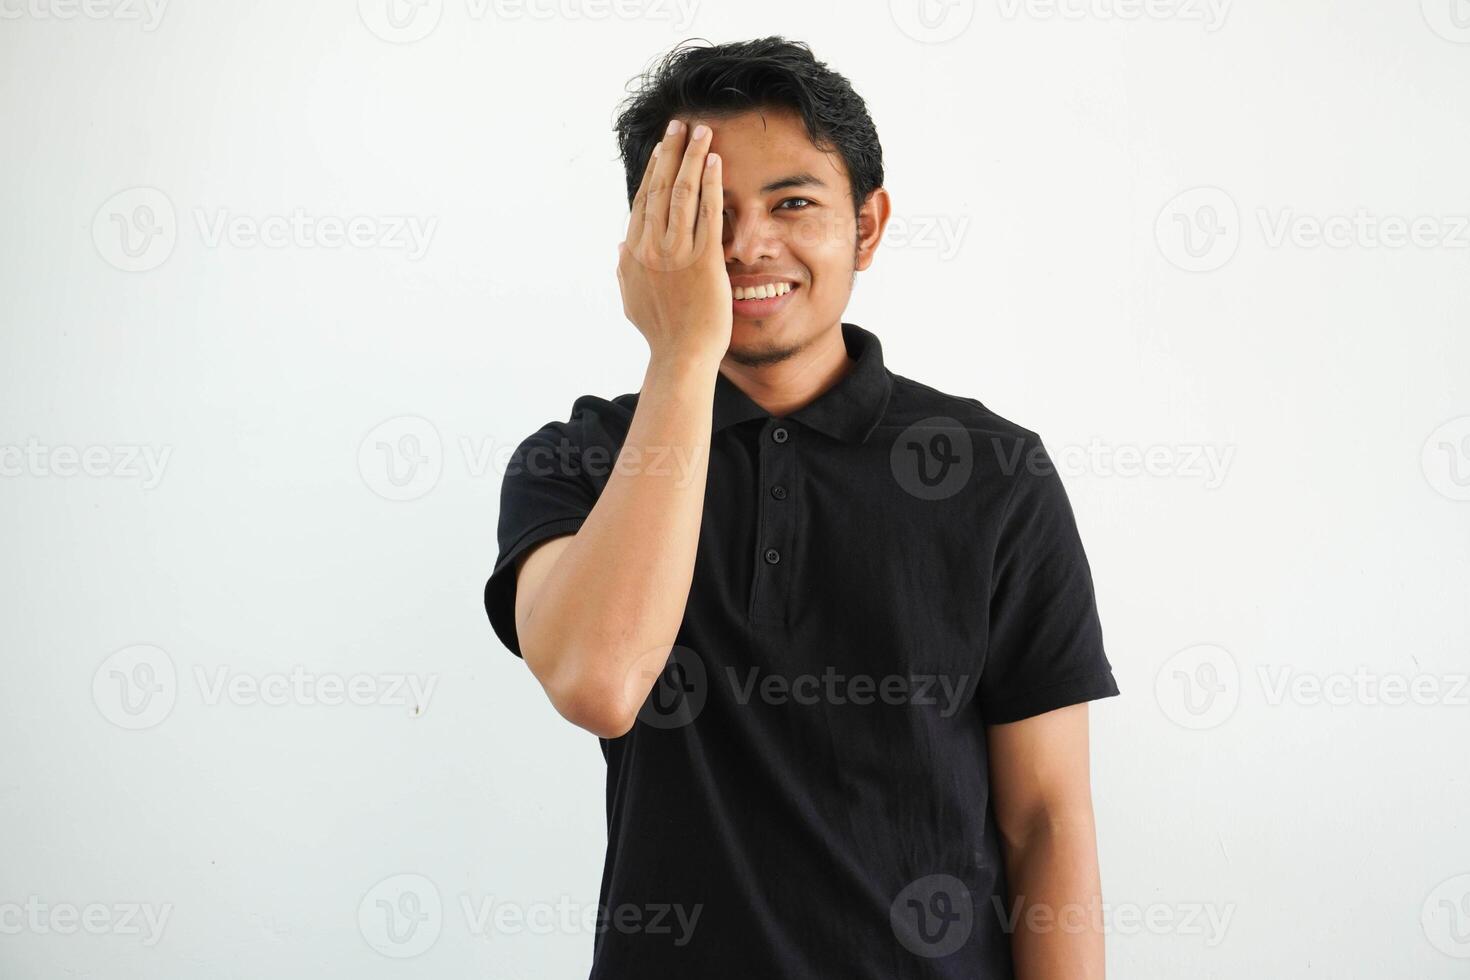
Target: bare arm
column 1042, row 795
column 597, row 612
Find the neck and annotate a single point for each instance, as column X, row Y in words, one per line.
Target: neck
column 788, row 385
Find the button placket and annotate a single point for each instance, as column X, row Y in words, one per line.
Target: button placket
column 776, row 527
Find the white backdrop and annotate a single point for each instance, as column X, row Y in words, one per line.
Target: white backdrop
column 284, row 283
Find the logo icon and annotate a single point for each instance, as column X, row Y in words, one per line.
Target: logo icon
column 402, row 458
column 1199, row 687
column 679, row 694
column 135, row 230
column 1199, row 230
column 401, row 21
column 1446, row 917
column 1450, row 19
column 933, row 458
column 401, row 916
column 932, row 21
column 1446, row 459
column 136, row 687
column 933, row 916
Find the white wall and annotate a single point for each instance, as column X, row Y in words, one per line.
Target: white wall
column 1037, row 156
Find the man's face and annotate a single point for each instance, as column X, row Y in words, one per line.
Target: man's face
column 805, row 232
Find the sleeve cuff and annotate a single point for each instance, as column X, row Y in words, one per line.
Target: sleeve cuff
column 1088, row 687
column 500, row 588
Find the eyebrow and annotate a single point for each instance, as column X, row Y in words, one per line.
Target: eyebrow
column 795, row 180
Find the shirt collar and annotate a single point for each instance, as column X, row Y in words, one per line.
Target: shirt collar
column 848, row 411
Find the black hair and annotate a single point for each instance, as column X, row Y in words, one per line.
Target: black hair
column 723, row 80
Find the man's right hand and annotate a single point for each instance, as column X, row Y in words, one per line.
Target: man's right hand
column 671, row 265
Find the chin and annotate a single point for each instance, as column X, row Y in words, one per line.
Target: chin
column 753, row 344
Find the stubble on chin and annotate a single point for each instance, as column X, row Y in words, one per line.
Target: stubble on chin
column 763, row 354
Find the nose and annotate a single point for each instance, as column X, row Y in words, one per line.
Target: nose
column 750, row 238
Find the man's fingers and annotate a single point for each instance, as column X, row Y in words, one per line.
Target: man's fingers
column 640, row 201
column 684, row 195
column 656, row 213
column 709, row 228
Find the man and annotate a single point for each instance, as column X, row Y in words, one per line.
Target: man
column 835, row 629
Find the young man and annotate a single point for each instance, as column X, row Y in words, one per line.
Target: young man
column 835, row 629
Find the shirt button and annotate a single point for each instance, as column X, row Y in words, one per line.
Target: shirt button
column 772, row 556
column 779, row 492
column 780, row 435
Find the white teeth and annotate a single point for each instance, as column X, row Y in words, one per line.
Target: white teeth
column 762, row 292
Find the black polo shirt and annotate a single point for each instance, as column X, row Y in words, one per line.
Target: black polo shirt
column 880, row 575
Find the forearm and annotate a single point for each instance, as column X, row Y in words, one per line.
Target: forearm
column 608, row 612
column 1055, row 904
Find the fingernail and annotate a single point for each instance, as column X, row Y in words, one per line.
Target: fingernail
column 673, row 127
column 701, row 131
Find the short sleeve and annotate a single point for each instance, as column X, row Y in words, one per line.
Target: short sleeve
column 551, row 483
column 1045, row 648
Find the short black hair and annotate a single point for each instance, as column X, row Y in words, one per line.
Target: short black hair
column 723, row 80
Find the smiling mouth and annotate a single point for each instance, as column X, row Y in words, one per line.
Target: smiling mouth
column 763, row 306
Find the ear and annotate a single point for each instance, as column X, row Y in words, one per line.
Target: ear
column 872, row 218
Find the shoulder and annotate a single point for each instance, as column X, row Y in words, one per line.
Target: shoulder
column 940, row 443
column 592, row 420
column 913, row 402
column 572, row 455
column 615, row 411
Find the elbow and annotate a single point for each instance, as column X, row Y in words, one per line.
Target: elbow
column 598, row 715
column 597, row 707
column 585, row 697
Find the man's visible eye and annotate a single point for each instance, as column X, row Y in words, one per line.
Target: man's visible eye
column 790, row 199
